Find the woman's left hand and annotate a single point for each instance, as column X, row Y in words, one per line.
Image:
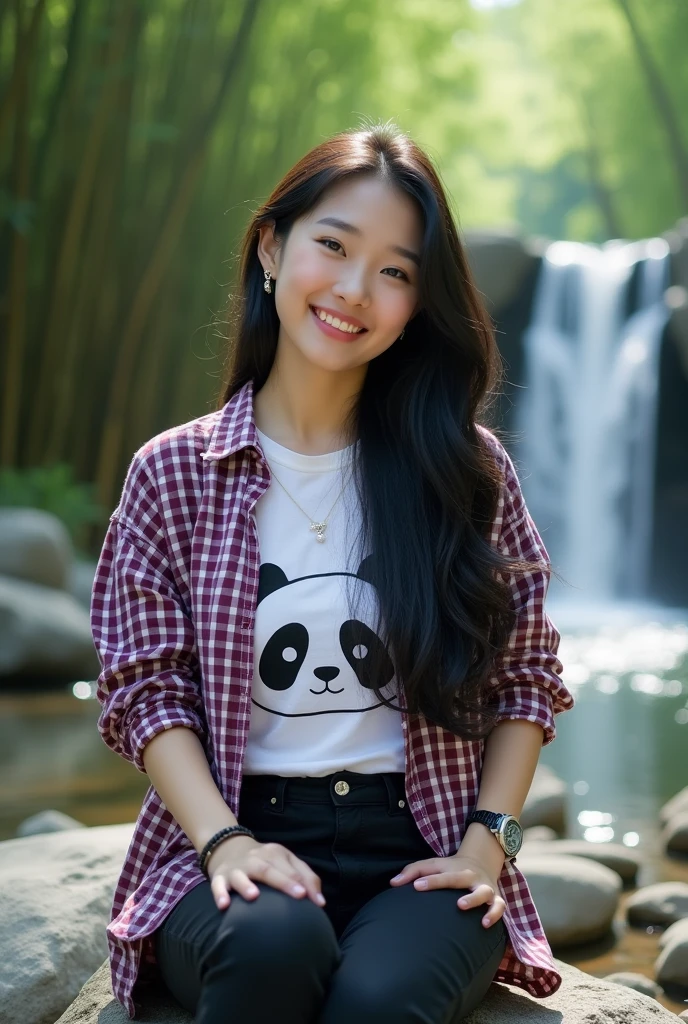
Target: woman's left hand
column 457, row 872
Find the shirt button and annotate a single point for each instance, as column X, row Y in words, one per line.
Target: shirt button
column 402, row 803
column 341, row 788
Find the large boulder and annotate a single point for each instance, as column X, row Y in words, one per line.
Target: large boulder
column 55, row 899
column 44, row 632
column 576, row 898
column 581, row 999
column 661, row 904
column 35, row 546
column 675, row 834
column 613, row 855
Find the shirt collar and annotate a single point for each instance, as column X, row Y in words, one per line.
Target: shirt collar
column 235, row 428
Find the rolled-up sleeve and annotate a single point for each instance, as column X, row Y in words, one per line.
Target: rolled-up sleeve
column 527, row 675
column 143, row 634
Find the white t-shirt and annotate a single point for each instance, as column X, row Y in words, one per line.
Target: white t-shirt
column 310, row 716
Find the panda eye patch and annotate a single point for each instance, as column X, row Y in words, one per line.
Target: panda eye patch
column 283, row 656
column 363, row 649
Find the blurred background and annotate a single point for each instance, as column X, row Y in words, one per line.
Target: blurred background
column 136, row 137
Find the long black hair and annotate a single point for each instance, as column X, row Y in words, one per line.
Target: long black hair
column 428, row 482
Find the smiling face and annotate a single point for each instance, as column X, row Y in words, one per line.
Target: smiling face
column 355, row 256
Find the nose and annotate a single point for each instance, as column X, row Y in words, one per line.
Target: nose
column 354, row 289
column 326, row 672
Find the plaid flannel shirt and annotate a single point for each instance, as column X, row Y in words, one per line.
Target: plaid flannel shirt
column 172, row 617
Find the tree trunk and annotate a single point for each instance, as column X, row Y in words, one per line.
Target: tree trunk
column 165, row 245
column 663, row 103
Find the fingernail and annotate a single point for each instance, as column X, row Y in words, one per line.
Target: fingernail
column 298, row 890
column 486, row 920
column 463, row 902
column 321, row 899
column 421, row 883
column 396, row 878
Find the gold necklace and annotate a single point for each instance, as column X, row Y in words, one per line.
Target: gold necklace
column 317, row 528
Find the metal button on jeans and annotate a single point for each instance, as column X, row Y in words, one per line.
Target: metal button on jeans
column 341, row 787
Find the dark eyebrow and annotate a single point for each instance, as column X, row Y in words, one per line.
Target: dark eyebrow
column 344, row 226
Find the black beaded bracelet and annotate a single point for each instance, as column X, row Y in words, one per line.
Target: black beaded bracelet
column 231, row 830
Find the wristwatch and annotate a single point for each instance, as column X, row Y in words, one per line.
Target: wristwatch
column 505, row 828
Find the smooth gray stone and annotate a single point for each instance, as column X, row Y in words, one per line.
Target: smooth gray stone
column 35, row 546
column 47, row 821
column 661, row 903
column 674, row 836
column 677, row 805
column 638, row 982
column 576, row 899
column 671, row 966
column 546, row 801
column 613, row 855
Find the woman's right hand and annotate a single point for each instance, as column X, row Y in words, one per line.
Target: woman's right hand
column 240, row 861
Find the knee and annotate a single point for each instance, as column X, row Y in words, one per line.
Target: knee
column 277, row 935
column 371, row 1001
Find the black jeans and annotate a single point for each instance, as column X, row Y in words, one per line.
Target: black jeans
column 374, row 953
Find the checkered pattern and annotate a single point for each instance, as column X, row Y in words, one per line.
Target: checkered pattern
column 172, row 618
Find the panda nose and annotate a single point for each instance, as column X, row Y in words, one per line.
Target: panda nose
column 326, row 672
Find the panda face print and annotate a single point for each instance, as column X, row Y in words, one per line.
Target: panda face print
column 314, row 664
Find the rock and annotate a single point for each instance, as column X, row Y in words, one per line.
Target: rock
column 581, row 999
column 55, row 900
column 546, row 801
column 81, row 581
column 47, row 821
column 674, row 837
column 661, row 903
column 34, row 546
column 613, row 855
column 677, row 805
column 638, row 982
column 500, row 264
column 576, row 898
column 671, row 966
column 538, row 834
column 44, row 631
column 683, row 1016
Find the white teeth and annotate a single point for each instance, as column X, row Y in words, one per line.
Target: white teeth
column 342, row 325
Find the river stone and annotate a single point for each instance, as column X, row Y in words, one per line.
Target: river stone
column 47, row 821
column 671, row 966
column 675, row 834
column 581, row 999
column 613, row 855
column 55, row 900
column 81, row 580
column 661, row 903
column 538, row 834
column 638, row 982
column 35, row 546
column 546, row 801
column 677, row 805
column 576, row 898
column 44, row 632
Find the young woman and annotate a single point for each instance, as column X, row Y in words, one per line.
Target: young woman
column 320, row 615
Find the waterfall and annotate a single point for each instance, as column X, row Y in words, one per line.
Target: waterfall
column 586, row 421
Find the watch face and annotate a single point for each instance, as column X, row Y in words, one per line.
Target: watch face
column 512, row 838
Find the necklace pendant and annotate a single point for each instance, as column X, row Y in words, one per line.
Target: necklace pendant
column 319, row 529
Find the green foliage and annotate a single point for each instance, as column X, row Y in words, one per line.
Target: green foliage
column 53, row 489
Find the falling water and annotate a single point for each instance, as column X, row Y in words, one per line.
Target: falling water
column 586, row 422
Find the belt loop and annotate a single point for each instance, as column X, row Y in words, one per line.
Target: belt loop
column 391, row 793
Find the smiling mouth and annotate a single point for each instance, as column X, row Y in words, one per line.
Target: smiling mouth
column 350, row 330
column 326, row 690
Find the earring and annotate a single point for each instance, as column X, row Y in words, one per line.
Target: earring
column 402, row 334
column 266, row 285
